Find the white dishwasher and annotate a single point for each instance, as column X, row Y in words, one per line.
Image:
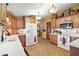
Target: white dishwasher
column 65, row 46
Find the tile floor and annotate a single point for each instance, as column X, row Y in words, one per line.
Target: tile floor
column 45, row 48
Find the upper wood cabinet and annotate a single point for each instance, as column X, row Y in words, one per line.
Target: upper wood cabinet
column 14, row 22
column 75, row 19
column 20, row 23
column 2, row 12
column 30, row 19
column 53, row 23
column 62, row 20
column 33, row 19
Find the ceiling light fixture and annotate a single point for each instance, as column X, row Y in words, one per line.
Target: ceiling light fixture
column 53, row 9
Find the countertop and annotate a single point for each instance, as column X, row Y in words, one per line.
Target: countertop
column 12, row 47
column 75, row 43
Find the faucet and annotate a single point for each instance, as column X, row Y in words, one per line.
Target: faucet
column 2, row 37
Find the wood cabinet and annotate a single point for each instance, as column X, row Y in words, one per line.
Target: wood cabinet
column 75, row 19
column 53, row 23
column 48, row 30
column 72, row 13
column 57, row 23
column 33, row 19
column 53, row 39
column 74, row 51
column 30, row 19
column 20, row 23
column 2, row 12
column 12, row 20
column 16, row 23
column 13, row 23
column 23, row 40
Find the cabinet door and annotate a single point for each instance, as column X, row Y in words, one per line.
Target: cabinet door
column 58, row 23
column 53, row 39
column 74, row 51
column 33, row 19
column 76, row 21
column 23, row 40
column 30, row 19
column 20, row 23
column 13, row 22
column 53, row 23
column 2, row 11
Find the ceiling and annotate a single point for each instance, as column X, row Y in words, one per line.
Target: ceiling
column 26, row 9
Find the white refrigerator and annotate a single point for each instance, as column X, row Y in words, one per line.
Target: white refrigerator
column 31, row 34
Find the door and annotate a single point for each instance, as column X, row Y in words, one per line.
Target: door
column 48, row 30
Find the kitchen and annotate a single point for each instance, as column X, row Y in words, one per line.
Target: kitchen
column 25, row 33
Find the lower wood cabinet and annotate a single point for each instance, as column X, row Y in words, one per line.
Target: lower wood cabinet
column 74, row 51
column 53, row 39
column 23, row 40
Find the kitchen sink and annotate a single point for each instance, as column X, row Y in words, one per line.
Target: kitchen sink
column 12, row 47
